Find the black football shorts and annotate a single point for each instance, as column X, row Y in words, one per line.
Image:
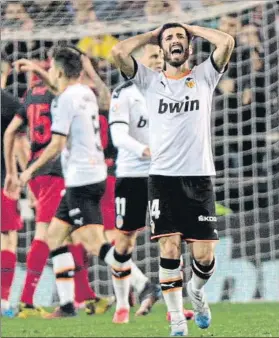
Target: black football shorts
column 182, row 205
column 131, row 203
column 80, row 206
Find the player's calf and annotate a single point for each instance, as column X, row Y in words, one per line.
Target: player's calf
column 64, row 269
column 8, row 264
column 203, row 266
column 35, row 263
column 171, row 285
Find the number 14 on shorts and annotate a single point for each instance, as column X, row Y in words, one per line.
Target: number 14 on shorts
column 154, row 212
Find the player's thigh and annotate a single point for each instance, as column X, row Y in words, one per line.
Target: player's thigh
column 10, row 214
column 49, row 197
column 108, row 206
column 60, row 225
column 163, row 206
column 111, row 235
column 86, row 217
column 131, row 199
column 198, row 222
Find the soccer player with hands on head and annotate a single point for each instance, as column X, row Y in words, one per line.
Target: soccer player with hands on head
column 181, row 197
column 129, row 122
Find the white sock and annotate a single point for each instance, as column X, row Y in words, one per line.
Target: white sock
column 201, row 274
column 171, row 284
column 5, row 304
column 64, row 267
column 138, row 279
column 121, row 278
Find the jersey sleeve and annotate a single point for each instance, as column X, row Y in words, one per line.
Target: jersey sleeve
column 142, row 76
column 209, row 71
column 119, row 108
column 62, row 115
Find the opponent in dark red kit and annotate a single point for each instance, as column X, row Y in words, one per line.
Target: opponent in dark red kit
column 47, row 185
column 10, row 217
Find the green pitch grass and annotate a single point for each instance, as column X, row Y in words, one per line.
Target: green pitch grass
column 229, row 320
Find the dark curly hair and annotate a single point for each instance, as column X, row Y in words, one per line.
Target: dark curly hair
column 69, row 59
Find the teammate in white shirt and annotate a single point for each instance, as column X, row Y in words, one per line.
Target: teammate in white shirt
column 128, row 119
column 181, row 197
column 76, row 133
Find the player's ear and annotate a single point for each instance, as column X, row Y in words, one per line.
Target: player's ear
column 190, row 49
column 60, row 73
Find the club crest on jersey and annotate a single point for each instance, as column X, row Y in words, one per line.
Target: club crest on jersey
column 119, row 221
column 190, row 83
column 115, row 108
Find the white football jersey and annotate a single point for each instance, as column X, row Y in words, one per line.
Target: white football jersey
column 128, row 107
column 179, row 119
column 75, row 114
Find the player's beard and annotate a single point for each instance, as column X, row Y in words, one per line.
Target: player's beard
column 176, row 63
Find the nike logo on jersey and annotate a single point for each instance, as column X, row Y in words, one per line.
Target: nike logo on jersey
column 178, row 107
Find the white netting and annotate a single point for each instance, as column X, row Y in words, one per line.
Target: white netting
column 245, row 120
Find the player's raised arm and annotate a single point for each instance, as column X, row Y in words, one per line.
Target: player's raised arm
column 103, row 92
column 9, row 144
column 123, row 50
column 224, row 43
column 24, row 65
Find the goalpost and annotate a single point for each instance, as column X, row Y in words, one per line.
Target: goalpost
column 245, row 130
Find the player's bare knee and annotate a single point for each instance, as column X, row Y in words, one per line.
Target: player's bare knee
column 56, row 234
column 92, row 237
column 170, row 247
column 5, row 241
column 13, row 240
column 125, row 242
column 41, row 231
column 203, row 253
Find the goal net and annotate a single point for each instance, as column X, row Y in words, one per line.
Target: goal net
column 245, row 125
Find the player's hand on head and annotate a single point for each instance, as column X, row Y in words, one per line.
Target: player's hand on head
column 85, row 61
column 156, row 31
column 25, row 177
column 24, row 65
column 155, row 35
column 12, row 187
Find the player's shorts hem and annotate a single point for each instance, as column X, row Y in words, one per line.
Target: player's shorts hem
column 86, row 226
column 129, row 231
column 191, row 240
column 6, row 232
column 166, row 235
column 61, row 221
